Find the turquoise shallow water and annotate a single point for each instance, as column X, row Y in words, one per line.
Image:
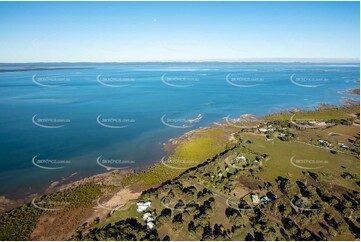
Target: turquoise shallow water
column 58, row 122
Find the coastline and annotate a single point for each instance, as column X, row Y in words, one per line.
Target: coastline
column 106, row 193
column 116, row 176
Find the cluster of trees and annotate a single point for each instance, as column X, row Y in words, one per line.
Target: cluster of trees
column 124, row 230
column 18, row 223
column 316, row 205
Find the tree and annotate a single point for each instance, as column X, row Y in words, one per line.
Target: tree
column 305, row 235
column 342, row 227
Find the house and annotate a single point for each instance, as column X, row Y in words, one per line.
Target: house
column 262, row 130
column 146, row 216
column 241, row 158
column 343, row 146
column 142, row 206
column 324, row 142
column 150, row 225
column 265, row 199
column 254, row 198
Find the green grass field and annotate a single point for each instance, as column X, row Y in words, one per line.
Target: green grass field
column 323, row 114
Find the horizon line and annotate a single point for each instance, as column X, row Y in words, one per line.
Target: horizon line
column 250, row 60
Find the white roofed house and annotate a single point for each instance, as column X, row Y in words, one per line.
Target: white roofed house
column 147, row 217
column 150, row 225
column 265, row 199
column 142, row 206
column 343, row 146
column 324, row 142
column 255, row 198
column 241, row 157
column 262, row 130
column 238, row 159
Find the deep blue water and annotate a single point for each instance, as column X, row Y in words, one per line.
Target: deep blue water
column 136, row 97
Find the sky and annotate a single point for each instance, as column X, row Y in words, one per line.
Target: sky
column 171, row 31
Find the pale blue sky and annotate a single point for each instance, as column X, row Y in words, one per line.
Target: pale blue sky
column 167, row 31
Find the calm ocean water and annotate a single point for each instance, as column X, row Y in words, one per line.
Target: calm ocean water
column 58, row 122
